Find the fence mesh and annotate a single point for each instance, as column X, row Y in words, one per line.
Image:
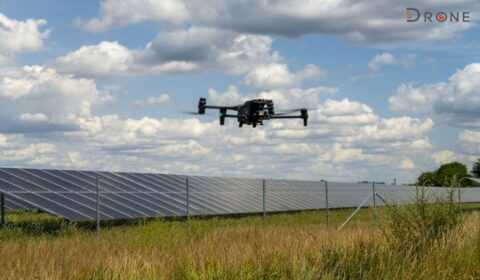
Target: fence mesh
column 106, row 202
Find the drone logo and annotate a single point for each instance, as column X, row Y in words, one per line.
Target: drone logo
column 413, row 15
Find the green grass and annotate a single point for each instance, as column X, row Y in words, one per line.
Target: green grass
column 45, row 223
column 288, row 246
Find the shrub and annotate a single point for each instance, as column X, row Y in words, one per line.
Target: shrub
column 415, row 226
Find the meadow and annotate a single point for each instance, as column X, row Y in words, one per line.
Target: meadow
column 427, row 241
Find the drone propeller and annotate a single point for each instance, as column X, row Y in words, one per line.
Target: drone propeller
column 192, row 113
column 283, row 113
column 291, row 111
column 295, row 110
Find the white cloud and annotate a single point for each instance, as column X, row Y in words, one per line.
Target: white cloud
column 406, row 164
column 277, row 75
column 370, row 76
column 388, row 59
column 129, row 131
column 355, row 22
column 31, row 152
column 421, row 144
column 153, row 100
column 346, row 112
column 469, row 142
column 77, row 160
column 342, row 120
column 283, row 98
column 192, row 50
column 444, row 156
column 114, row 59
column 117, row 60
column 377, row 61
column 180, row 51
column 456, row 102
column 20, row 36
column 343, row 140
column 116, row 13
column 38, row 117
column 60, row 99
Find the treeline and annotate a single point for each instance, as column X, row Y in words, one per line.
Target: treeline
column 450, row 174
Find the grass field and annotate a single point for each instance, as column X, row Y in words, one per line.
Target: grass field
column 288, row 246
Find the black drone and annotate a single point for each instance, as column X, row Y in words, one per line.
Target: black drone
column 252, row 112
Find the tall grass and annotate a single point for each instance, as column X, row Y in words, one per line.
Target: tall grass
column 296, row 246
column 414, row 226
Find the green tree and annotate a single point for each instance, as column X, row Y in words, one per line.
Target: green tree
column 446, row 172
column 427, row 179
column 444, row 175
column 476, row 168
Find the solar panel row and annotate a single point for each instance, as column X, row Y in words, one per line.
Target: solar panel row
column 72, row 194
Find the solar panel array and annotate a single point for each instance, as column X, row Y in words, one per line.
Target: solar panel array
column 72, row 194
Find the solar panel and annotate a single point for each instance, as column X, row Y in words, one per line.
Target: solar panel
column 15, row 204
column 72, row 194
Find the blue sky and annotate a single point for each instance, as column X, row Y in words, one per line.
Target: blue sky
column 101, row 84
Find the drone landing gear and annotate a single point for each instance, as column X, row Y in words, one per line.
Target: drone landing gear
column 223, row 112
column 240, row 124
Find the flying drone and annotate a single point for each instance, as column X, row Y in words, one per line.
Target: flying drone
column 252, row 112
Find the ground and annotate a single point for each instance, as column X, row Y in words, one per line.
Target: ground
column 287, row 246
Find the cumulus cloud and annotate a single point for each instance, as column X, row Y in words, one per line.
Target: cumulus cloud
column 38, row 117
column 377, row 61
column 119, row 13
column 445, row 156
column 369, row 76
column 350, row 122
column 389, row 59
column 406, row 164
column 153, row 100
column 179, row 51
column 192, row 50
column 343, row 136
column 116, row 60
column 456, row 101
column 206, row 146
column 276, row 75
column 469, row 142
column 355, row 22
column 20, row 36
column 283, row 98
column 51, row 97
column 32, row 152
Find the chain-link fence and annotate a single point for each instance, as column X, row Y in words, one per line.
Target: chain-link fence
column 57, row 200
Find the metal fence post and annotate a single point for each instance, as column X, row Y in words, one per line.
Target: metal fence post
column 374, row 196
column 2, row 209
column 326, row 204
column 459, row 199
column 188, row 198
column 264, row 202
column 416, row 190
column 98, row 211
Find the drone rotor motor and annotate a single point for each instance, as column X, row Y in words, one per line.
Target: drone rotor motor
column 270, row 108
column 304, row 115
column 201, row 105
column 223, row 112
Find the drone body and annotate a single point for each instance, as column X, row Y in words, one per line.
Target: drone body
column 252, row 112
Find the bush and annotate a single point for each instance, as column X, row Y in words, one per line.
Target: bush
column 416, row 226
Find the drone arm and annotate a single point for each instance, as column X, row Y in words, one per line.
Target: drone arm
column 202, row 105
column 285, row 117
column 303, row 115
column 220, row 107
